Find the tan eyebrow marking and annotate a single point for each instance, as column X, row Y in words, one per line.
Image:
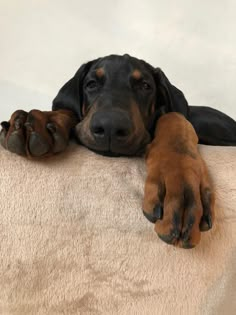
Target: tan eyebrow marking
column 136, row 74
column 100, row 72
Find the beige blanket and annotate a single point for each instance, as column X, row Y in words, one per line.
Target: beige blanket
column 73, row 240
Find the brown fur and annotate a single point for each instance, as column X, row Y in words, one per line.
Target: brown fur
column 173, row 162
column 82, row 128
column 100, row 72
column 136, row 74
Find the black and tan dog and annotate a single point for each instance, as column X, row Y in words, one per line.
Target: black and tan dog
column 120, row 105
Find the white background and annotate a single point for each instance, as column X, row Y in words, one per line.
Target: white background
column 42, row 43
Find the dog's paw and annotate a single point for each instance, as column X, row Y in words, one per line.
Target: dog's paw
column 37, row 133
column 180, row 207
column 178, row 197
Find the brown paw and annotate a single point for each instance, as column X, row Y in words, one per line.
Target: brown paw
column 180, row 207
column 37, row 133
column 178, row 196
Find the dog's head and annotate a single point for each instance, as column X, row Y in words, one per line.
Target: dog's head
column 118, row 100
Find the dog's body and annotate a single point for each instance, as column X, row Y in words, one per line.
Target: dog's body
column 116, row 105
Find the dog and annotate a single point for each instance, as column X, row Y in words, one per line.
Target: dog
column 123, row 106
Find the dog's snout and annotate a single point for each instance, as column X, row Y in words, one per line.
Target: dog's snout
column 110, row 126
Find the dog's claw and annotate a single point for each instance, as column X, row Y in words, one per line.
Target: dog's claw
column 37, row 145
column 156, row 215
column 209, row 220
column 150, row 217
column 206, row 222
column 158, row 212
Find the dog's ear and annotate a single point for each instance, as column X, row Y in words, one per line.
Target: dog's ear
column 70, row 96
column 169, row 98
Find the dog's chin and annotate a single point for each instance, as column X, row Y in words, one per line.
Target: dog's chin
column 133, row 148
column 117, row 153
column 107, row 153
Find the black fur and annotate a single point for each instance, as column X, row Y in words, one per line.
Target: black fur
column 212, row 126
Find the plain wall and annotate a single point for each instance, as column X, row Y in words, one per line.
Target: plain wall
column 44, row 42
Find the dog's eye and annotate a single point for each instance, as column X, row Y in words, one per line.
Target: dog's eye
column 146, row 86
column 91, row 85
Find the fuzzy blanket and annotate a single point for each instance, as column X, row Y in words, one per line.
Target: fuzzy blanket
column 73, row 240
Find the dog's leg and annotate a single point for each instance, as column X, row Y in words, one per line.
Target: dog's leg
column 179, row 197
column 37, row 133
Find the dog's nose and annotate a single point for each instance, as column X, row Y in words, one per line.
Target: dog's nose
column 110, row 126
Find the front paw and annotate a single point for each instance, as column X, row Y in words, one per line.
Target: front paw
column 180, row 203
column 37, row 133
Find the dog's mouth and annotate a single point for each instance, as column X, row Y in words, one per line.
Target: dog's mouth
column 135, row 147
column 109, row 153
column 132, row 145
column 117, row 151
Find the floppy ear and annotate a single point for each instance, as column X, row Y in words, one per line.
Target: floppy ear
column 70, row 96
column 169, row 98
